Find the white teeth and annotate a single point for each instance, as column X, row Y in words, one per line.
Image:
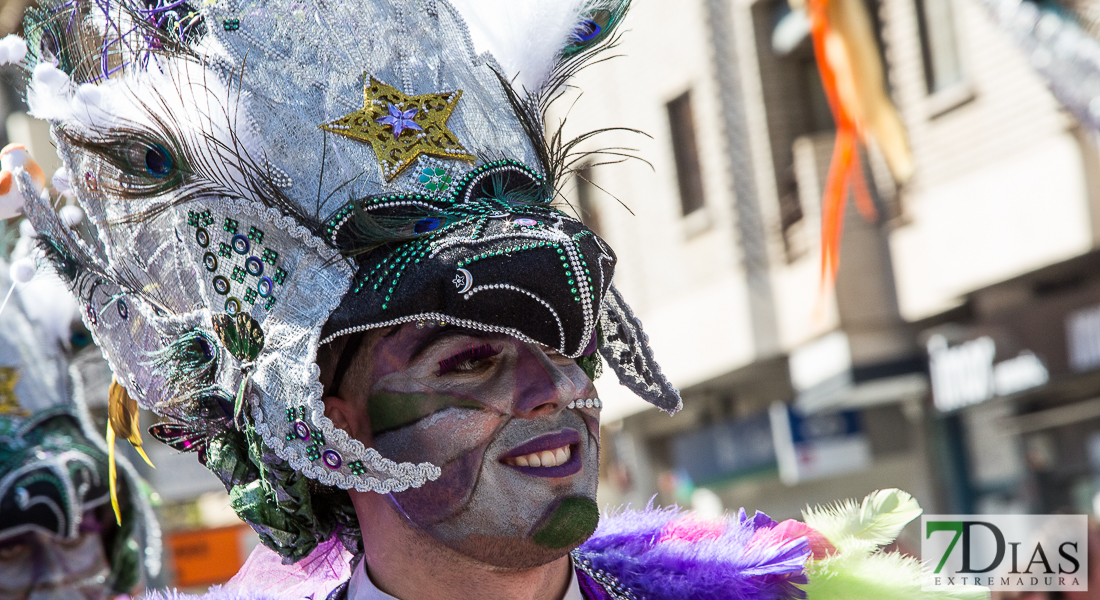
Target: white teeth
column 546, row 458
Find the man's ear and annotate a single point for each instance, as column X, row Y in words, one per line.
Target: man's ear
column 342, row 414
column 351, row 416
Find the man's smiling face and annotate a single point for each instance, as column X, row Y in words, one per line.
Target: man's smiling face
column 519, row 468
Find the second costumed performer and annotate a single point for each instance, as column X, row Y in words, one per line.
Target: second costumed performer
column 327, row 250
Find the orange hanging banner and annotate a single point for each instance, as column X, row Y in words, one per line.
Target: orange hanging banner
column 853, row 78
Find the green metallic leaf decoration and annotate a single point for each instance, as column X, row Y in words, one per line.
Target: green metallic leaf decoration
column 241, row 334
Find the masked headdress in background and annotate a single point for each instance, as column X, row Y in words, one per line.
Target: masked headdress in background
column 53, row 464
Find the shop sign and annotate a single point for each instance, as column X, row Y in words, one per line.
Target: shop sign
column 206, row 557
column 965, row 374
column 725, row 450
column 820, row 445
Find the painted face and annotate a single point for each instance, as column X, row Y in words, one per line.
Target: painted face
column 40, row 566
column 519, row 468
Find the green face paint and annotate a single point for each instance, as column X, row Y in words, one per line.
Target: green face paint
column 389, row 411
column 573, row 521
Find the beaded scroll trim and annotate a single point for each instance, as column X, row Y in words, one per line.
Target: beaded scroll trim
column 610, row 584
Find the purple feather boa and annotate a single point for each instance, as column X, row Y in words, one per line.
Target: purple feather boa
column 669, row 554
column 659, row 554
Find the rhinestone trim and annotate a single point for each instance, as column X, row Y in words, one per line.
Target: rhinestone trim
column 607, row 581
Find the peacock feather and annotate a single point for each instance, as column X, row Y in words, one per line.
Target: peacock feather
column 188, row 362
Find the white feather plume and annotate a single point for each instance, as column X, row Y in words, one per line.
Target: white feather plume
column 48, row 93
column 12, row 49
column 526, row 37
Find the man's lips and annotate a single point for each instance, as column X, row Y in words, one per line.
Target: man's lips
column 549, row 448
column 565, row 437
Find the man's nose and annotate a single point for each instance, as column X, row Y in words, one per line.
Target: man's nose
column 542, row 387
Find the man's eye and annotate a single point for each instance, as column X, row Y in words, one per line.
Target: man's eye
column 470, row 359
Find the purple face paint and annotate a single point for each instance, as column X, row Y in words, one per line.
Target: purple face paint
column 519, row 469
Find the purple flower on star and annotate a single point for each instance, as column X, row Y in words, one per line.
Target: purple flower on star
column 400, row 120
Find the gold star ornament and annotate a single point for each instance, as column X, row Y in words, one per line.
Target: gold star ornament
column 9, row 404
column 401, row 128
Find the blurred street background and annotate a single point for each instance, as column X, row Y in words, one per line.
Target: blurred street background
column 956, row 357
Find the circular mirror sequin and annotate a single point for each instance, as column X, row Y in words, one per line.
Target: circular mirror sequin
column 210, row 262
column 123, row 310
column 254, row 266
column 221, row 285
column 241, row 244
column 301, row 431
column 202, row 237
column 265, row 286
column 232, row 306
column 332, row 459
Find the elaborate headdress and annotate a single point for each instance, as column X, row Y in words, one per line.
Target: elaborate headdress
column 53, row 465
column 262, row 177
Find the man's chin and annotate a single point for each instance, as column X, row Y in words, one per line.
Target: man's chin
column 509, row 552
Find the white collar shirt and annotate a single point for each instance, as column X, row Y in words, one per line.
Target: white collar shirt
column 360, row 587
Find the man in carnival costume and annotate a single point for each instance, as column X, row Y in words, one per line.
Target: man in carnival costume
column 325, row 247
column 59, row 538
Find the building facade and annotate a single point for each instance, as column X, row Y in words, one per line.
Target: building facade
column 796, row 392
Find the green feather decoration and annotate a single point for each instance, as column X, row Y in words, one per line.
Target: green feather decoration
column 858, row 569
column 876, row 576
column 241, row 334
column 864, row 527
column 188, row 363
column 244, row 339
